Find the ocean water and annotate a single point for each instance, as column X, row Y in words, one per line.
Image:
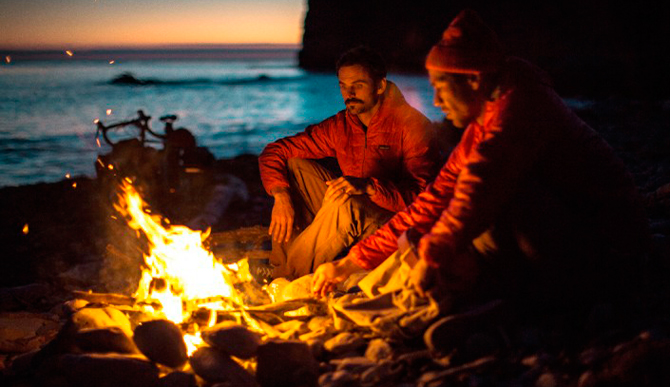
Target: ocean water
column 234, row 104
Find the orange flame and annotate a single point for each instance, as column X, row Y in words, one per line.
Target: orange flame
column 181, row 274
column 8, row 59
column 25, row 229
column 69, row 53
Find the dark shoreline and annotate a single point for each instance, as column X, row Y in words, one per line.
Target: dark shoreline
column 67, row 225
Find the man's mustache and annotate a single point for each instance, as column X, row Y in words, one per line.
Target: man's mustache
column 352, row 100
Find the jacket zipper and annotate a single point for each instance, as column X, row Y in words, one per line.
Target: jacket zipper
column 365, row 148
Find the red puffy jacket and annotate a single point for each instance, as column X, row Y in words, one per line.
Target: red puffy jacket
column 398, row 150
column 528, row 137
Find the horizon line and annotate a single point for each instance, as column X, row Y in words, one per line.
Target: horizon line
column 161, row 46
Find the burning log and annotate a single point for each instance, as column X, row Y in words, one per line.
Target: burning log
column 105, row 298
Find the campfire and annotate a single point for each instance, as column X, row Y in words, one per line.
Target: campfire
column 181, row 276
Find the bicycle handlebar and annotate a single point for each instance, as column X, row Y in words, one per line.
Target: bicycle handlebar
column 141, row 122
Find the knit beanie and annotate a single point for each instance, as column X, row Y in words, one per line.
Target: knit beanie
column 467, row 46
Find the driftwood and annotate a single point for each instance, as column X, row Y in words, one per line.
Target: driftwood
column 105, row 298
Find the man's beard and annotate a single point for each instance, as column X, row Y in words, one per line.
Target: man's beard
column 356, row 106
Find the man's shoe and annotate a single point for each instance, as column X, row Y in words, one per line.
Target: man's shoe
column 261, row 270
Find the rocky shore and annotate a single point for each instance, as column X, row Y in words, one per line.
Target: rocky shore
column 55, row 237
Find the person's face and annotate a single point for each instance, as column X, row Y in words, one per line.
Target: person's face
column 457, row 98
column 359, row 91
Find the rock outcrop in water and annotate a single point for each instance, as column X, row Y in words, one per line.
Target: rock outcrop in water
column 589, row 47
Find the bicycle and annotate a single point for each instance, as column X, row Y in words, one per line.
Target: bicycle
column 141, row 123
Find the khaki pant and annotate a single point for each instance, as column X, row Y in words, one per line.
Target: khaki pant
column 321, row 233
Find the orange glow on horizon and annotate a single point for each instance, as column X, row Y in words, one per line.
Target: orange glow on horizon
column 80, row 23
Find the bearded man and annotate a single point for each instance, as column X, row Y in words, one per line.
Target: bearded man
column 385, row 150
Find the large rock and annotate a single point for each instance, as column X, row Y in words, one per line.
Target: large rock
column 232, row 338
column 104, row 340
column 102, row 318
column 178, row 379
column 215, row 366
column 107, row 371
column 286, row 363
column 161, row 341
column 344, row 342
column 24, row 332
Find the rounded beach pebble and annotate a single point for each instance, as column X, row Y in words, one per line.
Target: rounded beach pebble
column 233, row 339
column 161, row 341
column 215, row 366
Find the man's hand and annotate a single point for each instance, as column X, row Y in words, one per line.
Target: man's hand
column 340, row 189
column 283, row 216
column 330, row 274
column 424, row 278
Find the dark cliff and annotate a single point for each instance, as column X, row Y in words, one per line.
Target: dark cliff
column 589, row 47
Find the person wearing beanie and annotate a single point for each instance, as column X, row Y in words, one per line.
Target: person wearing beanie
column 386, row 152
column 531, row 203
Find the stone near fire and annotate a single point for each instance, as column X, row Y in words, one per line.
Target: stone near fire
column 337, row 379
column 291, row 329
column 24, row 331
column 384, row 373
column 102, row 318
column 276, row 288
column 319, row 323
column 23, row 363
column 286, row 363
column 378, row 350
column 297, row 289
column 316, row 346
column 355, row 365
column 104, row 340
column 232, row 338
column 215, row 366
column 178, row 379
column 161, row 341
column 344, row 342
column 69, row 307
column 111, row 370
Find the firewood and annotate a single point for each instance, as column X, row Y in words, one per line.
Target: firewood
column 105, row 298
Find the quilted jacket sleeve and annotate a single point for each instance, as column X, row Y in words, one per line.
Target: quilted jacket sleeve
column 420, row 215
column 493, row 171
column 316, row 142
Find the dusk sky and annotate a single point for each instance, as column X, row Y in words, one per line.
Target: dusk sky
column 26, row 24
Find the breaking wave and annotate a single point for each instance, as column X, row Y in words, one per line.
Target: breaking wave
column 128, row 79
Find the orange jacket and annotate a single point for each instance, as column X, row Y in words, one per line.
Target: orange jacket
column 397, row 151
column 529, row 138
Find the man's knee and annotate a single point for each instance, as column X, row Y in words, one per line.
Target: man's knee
column 357, row 215
column 297, row 164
